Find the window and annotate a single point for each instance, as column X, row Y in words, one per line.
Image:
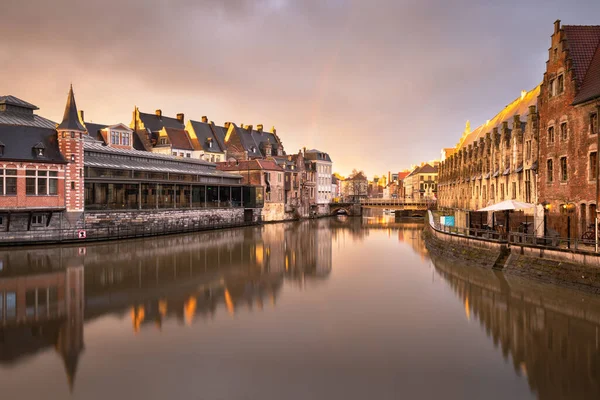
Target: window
column 593, row 165
column 593, row 123
column 174, row 154
column 72, row 185
column 41, row 183
column 560, row 86
column 549, row 171
column 125, row 138
column 37, row 219
column 528, row 149
column 514, row 190
column 163, row 140
column 114, row 137
column 551, row 85
column 502, row 191
column 563, row 131
column 551, row 134
column 563, row 169
column 188, row 155
column 8, row 182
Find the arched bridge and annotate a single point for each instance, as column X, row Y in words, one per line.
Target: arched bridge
column 345, row 208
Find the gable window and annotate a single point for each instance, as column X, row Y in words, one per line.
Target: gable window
column 163, row 140
column 114, row 137
column 551, row 85
column 563, row 131
column 8, row 182
column 560, row 84
column 593, row 123
column 563, row 169
column 551, row 134
column 125, row 138
column 593, row 165
column 549, row 171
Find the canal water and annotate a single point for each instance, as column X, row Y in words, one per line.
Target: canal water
column 341, row 308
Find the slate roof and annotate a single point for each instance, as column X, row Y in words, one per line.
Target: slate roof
column 219, row 132
column 428, row 169
column 204, row 132
column 19, row 142
column 26, row 118
column 313, row 154
column 252, row 165
column 519, row 106
column 93, row 129
column 582, row 42
column 71, row 116
column 156, row 123
column 15, row 101
column 146, row 161
column 179, row 139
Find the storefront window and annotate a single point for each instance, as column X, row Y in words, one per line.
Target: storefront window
column 212, row 196
column 198, row 196
column 236, row 196
column 167, row 196
column 224, row 196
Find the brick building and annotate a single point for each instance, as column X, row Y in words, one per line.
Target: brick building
column 496, row 161
column 569, row 104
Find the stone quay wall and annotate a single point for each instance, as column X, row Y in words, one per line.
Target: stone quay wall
column 578, row 270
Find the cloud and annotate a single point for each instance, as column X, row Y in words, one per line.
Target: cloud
column 379, row 84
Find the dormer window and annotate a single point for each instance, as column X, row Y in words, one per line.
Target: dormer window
column 253, row 149
column 39, row 149
column 163, row 141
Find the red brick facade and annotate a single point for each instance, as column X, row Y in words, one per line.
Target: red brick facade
column 71, row 146
column 566, row 138
column 22, row 200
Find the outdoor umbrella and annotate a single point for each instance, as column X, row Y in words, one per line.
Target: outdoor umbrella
column 508, row 205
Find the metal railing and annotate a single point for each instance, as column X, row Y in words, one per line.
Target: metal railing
column 113, row 232
column 530, row 239
column 398, row 202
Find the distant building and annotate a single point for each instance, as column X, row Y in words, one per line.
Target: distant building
column 422, row 183
column 244, row 143
column 324, row 168
column 355, row 188
column 208, row 140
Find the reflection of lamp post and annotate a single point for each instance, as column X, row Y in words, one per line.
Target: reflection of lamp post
column 568, row 208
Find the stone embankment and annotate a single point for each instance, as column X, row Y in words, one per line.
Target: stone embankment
column 579, row 270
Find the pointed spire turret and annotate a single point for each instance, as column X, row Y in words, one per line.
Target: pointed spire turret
column 71, row 120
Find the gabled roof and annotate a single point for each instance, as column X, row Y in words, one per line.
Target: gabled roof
column 15, row 101
column 179, row 139
column 402, row 175
column 205, row 133
column 590, row 87
column 519, row 106
column 155, row 123
column 19, row 142
column 71, row 116
column 582, row 42
column 93, row 129
column 17, row 118
column 428, row 169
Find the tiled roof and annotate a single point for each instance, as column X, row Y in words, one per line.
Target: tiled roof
column 19, row 142
column 582, row 42
column 519, row 106
column 402, row 175
column 590, row 88
column 15, row 101
column 156, row 123
column 71, row 119
column 93, row 129
column 179, row 139
column 428, row 169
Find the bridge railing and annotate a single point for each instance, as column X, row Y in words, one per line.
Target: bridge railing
column 398, row 202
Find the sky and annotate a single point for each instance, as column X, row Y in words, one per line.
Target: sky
column 378, row 84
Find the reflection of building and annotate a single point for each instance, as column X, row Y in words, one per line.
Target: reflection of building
column 549, row 336
column 41, row 310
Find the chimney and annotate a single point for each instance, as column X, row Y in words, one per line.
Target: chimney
column 81, row 116
column 532, row 110
column 259, row 127
column 226, row 125
column 556, row 26
column 249, row 127
column 211, row 123
column 180, row 117
column 274, row 131
column 304, row 151
column 204, row 119
column 158, row 113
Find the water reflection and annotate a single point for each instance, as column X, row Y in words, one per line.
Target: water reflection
column 549, row 334
column 50, row 296
column 46, row 294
